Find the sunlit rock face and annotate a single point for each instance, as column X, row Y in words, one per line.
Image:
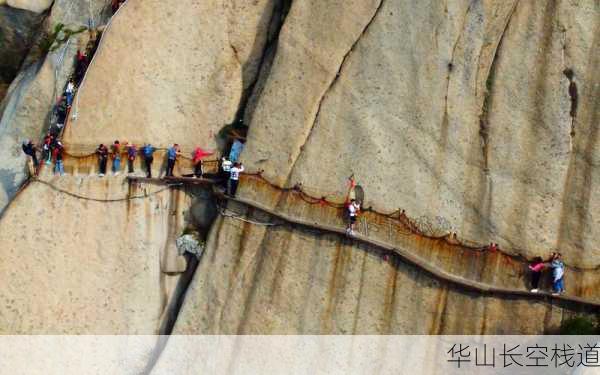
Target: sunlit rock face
column 481, row 116
column 175, row 81
column 460, row 110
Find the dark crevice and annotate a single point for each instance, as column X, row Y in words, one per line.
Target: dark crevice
column 487, row 100
column 451, row 65
column 280, row 12
column 334, row 81
column 574, row 97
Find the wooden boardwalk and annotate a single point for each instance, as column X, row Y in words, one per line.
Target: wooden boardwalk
column 405, row 254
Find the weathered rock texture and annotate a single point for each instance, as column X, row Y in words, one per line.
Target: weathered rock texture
column 458, row 110
column 284, row 281
column 482, row 115
column 175, row 81
column 17, row 33
column 26, row 110
column 36, row 6
column 71, row 265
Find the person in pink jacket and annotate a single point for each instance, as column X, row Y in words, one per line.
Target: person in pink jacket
column 536, row 272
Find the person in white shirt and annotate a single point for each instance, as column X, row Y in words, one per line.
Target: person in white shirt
column 353, row 210
column 225, row 171
column 234, row 177
column 70, row 92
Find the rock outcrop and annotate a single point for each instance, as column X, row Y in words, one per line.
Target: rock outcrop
column 481, row 116
column 457, row 110
column 26, row 111
column 175, row 81
column 91, row 262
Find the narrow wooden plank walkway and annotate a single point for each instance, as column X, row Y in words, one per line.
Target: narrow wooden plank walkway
column 406, row 255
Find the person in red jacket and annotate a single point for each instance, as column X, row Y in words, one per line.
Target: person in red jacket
column 197, row 160
column 536, row 268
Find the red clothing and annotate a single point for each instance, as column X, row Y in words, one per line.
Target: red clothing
column 536, row 267
column 199, row 154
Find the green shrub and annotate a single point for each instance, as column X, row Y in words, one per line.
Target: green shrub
column 579, row 325
column 59, row 35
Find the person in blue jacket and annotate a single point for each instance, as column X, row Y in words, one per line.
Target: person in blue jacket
column 148, row 152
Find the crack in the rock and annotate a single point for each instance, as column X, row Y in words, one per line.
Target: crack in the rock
column 573, row 96
column 451, row 62
column 278, row 16
column 484, row 113
column 331, row 84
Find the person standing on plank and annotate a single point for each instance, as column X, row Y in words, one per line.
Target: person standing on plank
column 197, row 160
column 148, row 152
column 234, row 178
column 102, row 152
column 131, row 154
column 116, row 152
column 353, row 210
column 29, row 149
column 172, row 154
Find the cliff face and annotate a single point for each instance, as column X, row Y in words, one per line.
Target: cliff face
column 26, row 111
column 460, row 111
column 479, row 118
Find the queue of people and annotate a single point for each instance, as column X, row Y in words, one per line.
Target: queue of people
column 52, row 152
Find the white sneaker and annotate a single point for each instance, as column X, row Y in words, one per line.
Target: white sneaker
column 555, row 294
column 101, row 175
column 117, row 173
column 534, row 290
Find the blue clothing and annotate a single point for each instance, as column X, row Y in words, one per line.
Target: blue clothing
column 59, row 167
column 236, row 150
column 172, row 153
column 559, row 285
column 116, row 165
column 149, row 150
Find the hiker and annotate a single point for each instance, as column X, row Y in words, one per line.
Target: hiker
column 234, row 178
column 70, row 92
column 558, row 273
column 46, row 154
column 536, row 268
column 61, row 112
column 197, row 156
column 353, row 210
column 116, row 152
column 131, row 154
column 57, row 153
column 172, row 153
column 225, row 170
column 30, row 150
column 148, row 152
column 102, row 152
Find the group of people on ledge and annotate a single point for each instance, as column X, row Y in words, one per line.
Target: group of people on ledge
column 229, row 172
column 52, row 151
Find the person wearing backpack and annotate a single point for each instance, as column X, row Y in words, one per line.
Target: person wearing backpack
column 172, row 153
column 29, row 149
column 148, row 152
column 131, row 154
column 102, row 152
